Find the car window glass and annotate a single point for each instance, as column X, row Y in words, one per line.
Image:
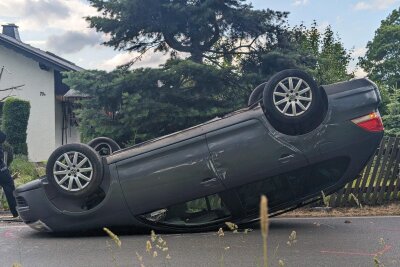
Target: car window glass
column 322, row 175
column 288, row 187
column 195, row 212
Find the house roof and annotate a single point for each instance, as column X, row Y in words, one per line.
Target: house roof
column 46, row 58
column 73, row 94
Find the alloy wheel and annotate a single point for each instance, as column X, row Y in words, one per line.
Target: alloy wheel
column 292, row 96
column 103, row 149
column 73, row 171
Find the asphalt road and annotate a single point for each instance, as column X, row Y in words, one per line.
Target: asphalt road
column 320, row 242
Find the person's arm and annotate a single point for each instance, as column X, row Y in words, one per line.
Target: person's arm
column 2, row 163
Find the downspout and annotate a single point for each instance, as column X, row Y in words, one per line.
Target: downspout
column 63, row 122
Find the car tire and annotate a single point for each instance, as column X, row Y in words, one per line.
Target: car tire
column 75, row 170
column 104, row 146
column 292, row 101
column 256, row 95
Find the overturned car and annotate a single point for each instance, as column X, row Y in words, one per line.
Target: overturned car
column 294, row 140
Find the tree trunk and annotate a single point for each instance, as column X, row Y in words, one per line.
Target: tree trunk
column 196, row 57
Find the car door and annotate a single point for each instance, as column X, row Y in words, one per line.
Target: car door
column 246, row 152
column 168, row 175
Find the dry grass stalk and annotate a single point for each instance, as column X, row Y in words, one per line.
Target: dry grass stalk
column 155, row 243
column 233, row 227
column 220, row 232
column 377, row 261
column 148, row 246
column 153, row 236
column 264, row 226
column 325, row 199
column 140, row 259
column 292, row 238
column 113, row 236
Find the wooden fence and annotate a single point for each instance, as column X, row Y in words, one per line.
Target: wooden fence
column 378, row 183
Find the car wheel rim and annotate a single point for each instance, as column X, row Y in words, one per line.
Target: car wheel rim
column 73, row 171
column 103, row 149
column 292, row 96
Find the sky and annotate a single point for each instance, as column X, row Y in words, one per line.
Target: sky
column 59, row 26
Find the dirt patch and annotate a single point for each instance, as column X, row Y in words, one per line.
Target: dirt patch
column 383, row 210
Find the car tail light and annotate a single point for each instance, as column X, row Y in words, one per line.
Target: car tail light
column 371, row 122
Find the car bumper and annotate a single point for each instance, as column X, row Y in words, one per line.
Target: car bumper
column 40, row 213
column 39, row 208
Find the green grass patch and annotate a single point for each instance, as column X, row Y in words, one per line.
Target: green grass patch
column 26, row 171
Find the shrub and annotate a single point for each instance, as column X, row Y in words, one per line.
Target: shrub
column 15, row 123
column 27, row 171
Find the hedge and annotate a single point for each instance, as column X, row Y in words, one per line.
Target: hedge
column 15, row 123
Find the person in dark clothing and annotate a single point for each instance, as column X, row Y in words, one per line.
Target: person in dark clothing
column 6, row 181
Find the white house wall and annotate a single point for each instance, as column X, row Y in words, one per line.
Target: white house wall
column 39, row 91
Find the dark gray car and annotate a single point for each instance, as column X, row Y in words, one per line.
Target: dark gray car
column 294, row 140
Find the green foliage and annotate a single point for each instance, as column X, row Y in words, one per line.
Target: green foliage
column 15, row 123
column 332, row 60
column 22, row 165
column 1, row 112
column 386, row 98
column 382, row 62
column 27, row 171
column 137, row 105
column 98, row 114
column 210, row 29
column 319, row 53
column 242, row 47
column 391, row 119
column 382, row 59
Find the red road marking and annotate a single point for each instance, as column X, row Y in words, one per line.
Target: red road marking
column 8, row 234
column 384, row 250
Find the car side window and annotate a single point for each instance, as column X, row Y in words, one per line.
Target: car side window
column 322, row 175
column 288, row 187
column 195, row 212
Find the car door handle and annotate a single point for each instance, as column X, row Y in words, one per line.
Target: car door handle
column 285, row 158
